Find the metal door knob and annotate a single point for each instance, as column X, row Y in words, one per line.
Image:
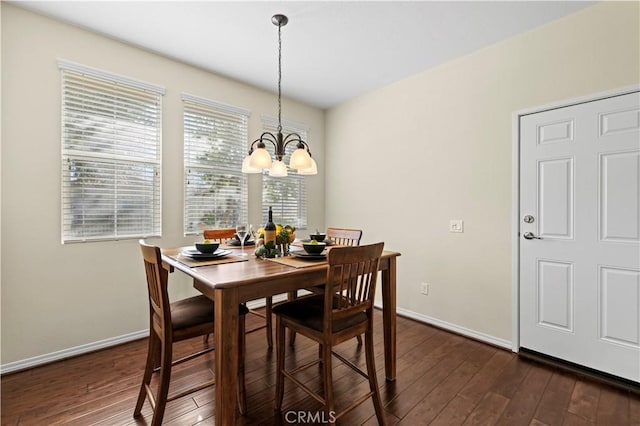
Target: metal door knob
column 530, row 236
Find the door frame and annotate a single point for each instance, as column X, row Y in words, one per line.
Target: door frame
column 515, row 189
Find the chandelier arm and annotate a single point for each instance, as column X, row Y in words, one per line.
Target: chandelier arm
column 294, row 137
column 266, row 136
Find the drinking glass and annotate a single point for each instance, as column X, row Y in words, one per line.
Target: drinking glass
column 241, row 232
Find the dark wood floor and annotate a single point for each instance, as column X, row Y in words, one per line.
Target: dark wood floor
column 443, row 379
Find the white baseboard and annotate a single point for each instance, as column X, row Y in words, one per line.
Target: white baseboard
column 67, row 353
column 102, row 344
column 492, row 340
column 254, row 304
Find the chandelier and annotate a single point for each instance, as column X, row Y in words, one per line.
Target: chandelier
column 259, row 158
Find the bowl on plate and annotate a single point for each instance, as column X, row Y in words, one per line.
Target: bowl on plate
column 318, row 237
column 314, row 248
column 207, row 247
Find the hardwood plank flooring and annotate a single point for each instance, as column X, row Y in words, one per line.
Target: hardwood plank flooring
column 442, row 379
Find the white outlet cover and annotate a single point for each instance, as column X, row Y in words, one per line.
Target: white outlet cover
column 456, row 225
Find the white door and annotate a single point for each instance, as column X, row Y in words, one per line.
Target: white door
column 580, row 234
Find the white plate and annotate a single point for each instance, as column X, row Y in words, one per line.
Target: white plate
column 195, row 254
column 312, row 256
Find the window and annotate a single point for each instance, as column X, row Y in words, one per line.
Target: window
column 286, row 195
column 215, row 143
column 111, row 139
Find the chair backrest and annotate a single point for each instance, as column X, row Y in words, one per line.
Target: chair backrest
column 219, row 235
column 351, row 276
column 344, row 237
column 157, row 276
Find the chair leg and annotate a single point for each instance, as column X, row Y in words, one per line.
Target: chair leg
column 267, row 314
column 359, row 338
column 373, row 381
column 292, row 295
column 152, row 352
column 280, row 333
column 328, row 380
column 163, row 387
column 242, row 393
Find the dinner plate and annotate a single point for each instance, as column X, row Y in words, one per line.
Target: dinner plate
column 311, row 256
column 195, row 254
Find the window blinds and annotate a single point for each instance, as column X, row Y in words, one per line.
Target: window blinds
column 215, row 143
column 111, row 151
column 286, row 195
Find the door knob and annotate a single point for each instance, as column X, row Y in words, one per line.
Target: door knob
column 530, row 236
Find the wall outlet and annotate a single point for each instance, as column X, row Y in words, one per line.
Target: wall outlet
column 424, row 288
column 456, row 225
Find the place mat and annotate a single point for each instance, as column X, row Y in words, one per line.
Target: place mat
column 192, row 263
column 297, row 262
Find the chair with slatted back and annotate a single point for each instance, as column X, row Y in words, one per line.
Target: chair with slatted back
column 221, row 236
column 172, row 322
column 344, row 236
column 337, row 236
column 344, row 311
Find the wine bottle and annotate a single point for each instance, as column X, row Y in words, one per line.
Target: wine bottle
column 270, row 230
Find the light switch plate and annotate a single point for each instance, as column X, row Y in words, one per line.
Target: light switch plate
column 456, row 225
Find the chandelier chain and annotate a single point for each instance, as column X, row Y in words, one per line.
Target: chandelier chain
column 279, row 79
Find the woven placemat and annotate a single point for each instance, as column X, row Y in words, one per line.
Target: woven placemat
column 192, row 263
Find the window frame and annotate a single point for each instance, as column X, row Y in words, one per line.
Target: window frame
column 125, row 149
column 230, row 116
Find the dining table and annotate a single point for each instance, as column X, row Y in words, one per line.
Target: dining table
column 237, row 279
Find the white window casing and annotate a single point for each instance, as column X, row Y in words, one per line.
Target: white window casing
column 111, row 155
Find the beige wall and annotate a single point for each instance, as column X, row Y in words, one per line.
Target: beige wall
column 439, row 143
column 440, row 146
column 54, row 296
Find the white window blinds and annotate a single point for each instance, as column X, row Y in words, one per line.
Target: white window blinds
column 215, row 143
column 286, row 195
column 111, row 141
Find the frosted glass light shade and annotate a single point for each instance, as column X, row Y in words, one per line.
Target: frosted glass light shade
column 246, row 168
column 278, row 169
column 300, row 159
column 313, row 170
column 260, row 159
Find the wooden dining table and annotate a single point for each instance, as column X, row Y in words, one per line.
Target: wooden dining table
column 252, row 278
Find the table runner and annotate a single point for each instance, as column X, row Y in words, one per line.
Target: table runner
column 192, row 263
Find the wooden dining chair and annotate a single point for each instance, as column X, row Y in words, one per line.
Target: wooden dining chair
column 344, row 236
column 221, row 236
column 338, row 236
column 171, row 322
column 344, row 311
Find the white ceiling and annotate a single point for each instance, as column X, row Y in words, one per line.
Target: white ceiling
column 331, row 51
